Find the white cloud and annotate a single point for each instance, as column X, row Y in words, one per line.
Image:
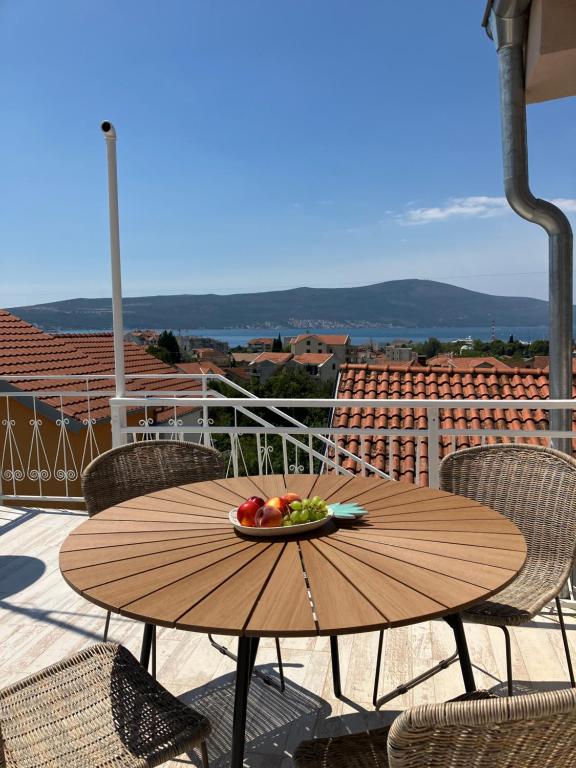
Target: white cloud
column 567, row 205
column 479, row 206
column 475, row 206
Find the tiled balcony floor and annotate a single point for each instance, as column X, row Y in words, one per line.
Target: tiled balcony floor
column 42, row 620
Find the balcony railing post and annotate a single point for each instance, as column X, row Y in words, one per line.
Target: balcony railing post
column 118, row 422
column 433, row 447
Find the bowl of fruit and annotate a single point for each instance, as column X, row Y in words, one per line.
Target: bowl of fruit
column 280, row 515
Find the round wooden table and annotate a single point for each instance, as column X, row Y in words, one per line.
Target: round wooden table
column 172, row 558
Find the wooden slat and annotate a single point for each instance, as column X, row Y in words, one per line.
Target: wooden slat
column 301, row 484
column 86, row 578
column 399, row 602
column 168, row 603
column 228, row 608
column 155, row 516
column 328, row 486
column 487, row 576
column 457, row 526
column 271, row 485
column 403, row 505
column 339, row 606
column 385, row 490
column 180, row 502
column 460, row 513
column 439, row 587
column 132, row 525
column 96, row 541
column 98, row 556
column 217, row 494
column 472, row 538
column 284, row 606
column 126, row 590
column 500, row 558
column 243, row 486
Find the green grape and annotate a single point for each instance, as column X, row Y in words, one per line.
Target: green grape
column 296, row 505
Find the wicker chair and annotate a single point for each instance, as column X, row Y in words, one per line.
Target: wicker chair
column 531, row 731
column 144, row 467
column 534, row 487
column 99, row 708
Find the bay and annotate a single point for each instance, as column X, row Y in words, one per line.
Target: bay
column 241, row 336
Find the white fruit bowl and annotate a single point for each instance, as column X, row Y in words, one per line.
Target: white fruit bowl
column 280, row 530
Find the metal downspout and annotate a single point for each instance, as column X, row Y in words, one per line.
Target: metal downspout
column 510, row 24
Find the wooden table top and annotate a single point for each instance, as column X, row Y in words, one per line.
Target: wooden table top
column 172, row 558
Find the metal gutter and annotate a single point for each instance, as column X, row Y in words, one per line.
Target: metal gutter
column 506, row 23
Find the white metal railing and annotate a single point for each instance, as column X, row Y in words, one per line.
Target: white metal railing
column 45, row 447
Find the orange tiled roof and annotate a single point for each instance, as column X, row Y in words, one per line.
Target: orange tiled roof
column 311, row 358
column 261, row 340
column 435, row 383
column 27, row 350
column 207, row 367
column 272, row 357
column 466, row 363
column 324, row 338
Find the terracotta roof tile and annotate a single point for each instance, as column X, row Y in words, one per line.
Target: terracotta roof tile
column 310, row 358
column 272, row 357
column 394, row 381
column 27, row 350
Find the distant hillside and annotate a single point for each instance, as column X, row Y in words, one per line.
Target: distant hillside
column 409, row 303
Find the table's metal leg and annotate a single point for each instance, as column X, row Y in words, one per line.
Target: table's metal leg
column 378, row 664
column 335, row 666
column 280, row 665
column 246, row 656
column 455, row 622
column 146, row 645
column 253, row 651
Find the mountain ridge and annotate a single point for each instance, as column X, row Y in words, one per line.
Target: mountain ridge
column 402, row 303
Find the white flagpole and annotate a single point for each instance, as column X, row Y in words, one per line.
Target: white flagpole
column 118, row 417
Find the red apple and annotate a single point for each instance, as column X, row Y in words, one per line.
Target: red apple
column 268, row 517
column 258, row 499
column 277, row 503
column 246, row 514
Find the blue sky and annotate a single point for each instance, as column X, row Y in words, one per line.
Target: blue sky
column 263, row 145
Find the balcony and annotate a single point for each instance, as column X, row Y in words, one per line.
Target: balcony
column 42, row 619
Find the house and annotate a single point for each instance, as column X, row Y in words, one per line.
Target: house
column 398, row 456
column 200, row 368
column 397, row 353
column 244, row 358
column 267, row 363
column 261, row 344
column 207, row 354
column 321, row 344
column 466, row 363
column 320, row 366
column 48, row 438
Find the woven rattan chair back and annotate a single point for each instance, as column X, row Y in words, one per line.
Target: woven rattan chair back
column 531, row 731
column 535, row 487
column 144, row 467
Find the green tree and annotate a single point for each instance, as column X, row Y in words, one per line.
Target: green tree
column 277, row 344
column 431, row 347
column 166, row 348
column 539, row 347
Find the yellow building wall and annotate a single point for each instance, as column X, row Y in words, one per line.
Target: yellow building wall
column 47, row 458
